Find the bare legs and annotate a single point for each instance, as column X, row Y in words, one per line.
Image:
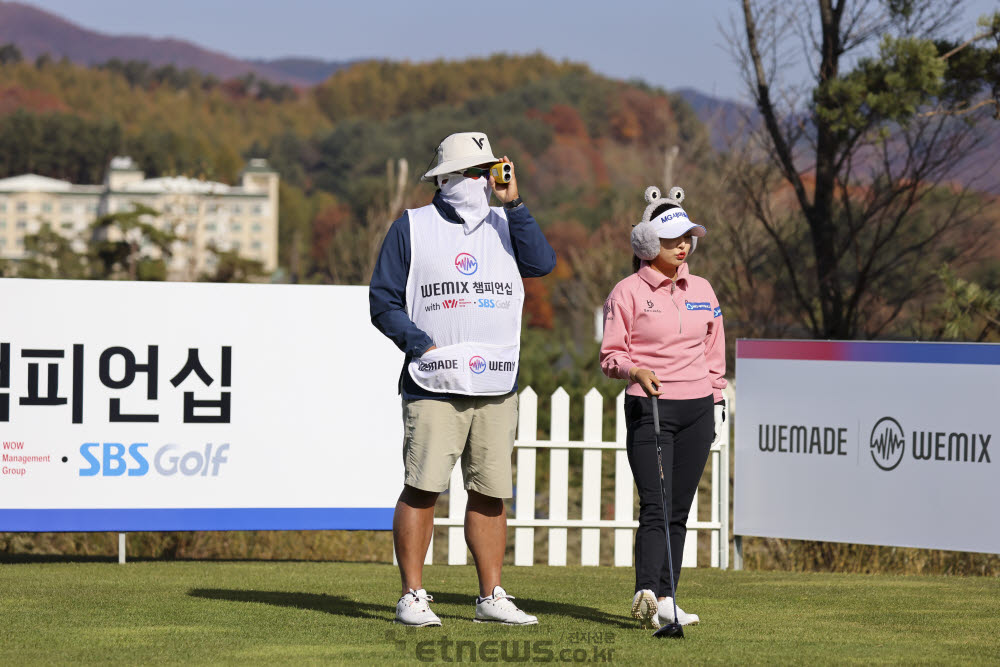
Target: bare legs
column 412, row 527
column 485, row 533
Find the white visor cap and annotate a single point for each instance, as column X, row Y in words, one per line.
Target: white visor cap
column 674, row 223
column 460, row 151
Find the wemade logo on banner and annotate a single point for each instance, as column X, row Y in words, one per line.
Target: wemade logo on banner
column 888, row 445
column 113, row 459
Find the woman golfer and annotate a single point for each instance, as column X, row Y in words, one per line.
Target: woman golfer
column 663, row 333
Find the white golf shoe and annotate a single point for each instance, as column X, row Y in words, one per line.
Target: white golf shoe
column 498, row 608
column 644, row 608
column 413, row 610
column 666, row 614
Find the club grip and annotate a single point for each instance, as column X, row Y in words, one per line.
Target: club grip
column 656, row 415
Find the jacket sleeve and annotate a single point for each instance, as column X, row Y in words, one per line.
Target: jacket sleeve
column 615, row 360
column 715, row 350
column 387, row 292
column 532, row 251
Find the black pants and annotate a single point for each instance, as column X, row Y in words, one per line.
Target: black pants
column 687, row 429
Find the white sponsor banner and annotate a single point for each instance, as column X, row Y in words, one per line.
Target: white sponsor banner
column 869, row 442
column 185, row 406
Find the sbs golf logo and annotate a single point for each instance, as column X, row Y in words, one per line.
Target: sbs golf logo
column 113, row 459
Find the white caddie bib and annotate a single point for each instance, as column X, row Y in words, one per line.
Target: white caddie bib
column 465, row 291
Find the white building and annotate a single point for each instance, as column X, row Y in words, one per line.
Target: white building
column 203, row 214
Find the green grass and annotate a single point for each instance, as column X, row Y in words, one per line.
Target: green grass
column 293, row 612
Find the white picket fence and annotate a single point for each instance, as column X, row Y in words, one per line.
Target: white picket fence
column 558, row 524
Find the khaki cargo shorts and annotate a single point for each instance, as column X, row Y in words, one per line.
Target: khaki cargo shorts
column 479, row 429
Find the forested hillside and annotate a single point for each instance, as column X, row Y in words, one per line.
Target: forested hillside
column 585, row 147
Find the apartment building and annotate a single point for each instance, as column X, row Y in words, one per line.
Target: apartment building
column 202, row 214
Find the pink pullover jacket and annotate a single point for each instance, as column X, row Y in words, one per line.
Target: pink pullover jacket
column 671, row 327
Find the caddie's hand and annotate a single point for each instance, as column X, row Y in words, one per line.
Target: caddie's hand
column 505, row 192
column 432, row 347
column 647, row 380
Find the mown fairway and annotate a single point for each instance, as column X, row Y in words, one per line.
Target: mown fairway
column 293, row 612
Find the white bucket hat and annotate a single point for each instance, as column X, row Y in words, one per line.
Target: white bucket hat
column 669, row 224
column 460, row 151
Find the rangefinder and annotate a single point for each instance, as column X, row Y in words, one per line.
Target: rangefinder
column 502, row 172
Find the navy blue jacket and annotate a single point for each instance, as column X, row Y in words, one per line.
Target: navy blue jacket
column 387, row 291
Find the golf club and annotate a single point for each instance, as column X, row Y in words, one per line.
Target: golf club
column 669, row 630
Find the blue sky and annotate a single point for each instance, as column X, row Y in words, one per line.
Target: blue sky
column 671, row 43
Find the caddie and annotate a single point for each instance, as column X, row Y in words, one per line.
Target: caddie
column 447, row 290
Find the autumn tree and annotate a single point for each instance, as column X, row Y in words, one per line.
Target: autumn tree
column 848, row 165
column 9, row 53
column 231, row 267
column 58, row 145
column 968, row 311
column 128, row 245
column 49, row 254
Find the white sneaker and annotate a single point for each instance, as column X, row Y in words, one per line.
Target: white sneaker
column 413, row 610
column 645, row 609
column 666, row 614
column 498, row 608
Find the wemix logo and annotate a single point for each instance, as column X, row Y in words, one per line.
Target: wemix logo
column 887, row 443
column 466, row 264
column 477, row 364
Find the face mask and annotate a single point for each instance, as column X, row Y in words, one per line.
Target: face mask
column 469, row 196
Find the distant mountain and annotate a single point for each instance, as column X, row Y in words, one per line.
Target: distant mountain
column 726, row 120
column 729, row 121
column 36, row 32
column 305, row 69
column 980, row 169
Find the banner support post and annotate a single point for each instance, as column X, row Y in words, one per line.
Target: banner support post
column 121, row 548
column 738, row 556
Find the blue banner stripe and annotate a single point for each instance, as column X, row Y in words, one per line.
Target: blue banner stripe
column 133, row 520
column 872, row 351
column 926, row 353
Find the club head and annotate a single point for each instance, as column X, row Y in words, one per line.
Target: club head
column 670, row 631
